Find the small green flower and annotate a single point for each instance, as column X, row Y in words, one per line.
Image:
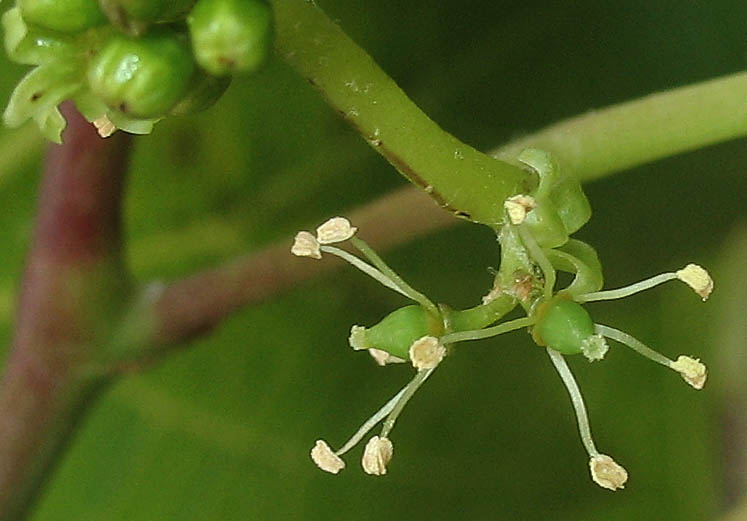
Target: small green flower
column 142, row 77
column 424, row 332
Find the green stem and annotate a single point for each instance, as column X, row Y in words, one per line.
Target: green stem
column 455, row 174
column 643, row 130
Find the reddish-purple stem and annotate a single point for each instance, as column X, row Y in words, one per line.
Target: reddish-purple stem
column 73, row 268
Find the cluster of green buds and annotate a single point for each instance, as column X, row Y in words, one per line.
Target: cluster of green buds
column 534, row 240
column 129, row 63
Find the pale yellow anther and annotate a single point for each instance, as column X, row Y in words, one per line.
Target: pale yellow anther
column 697, row 278
column 325, row 458
column 692, row 370
column 518, row 207
column 383, row 358
column 426, row 353
column 607, row 473
column 377, row 455
column 306, row 245
column 104, row 126
column 337, row 229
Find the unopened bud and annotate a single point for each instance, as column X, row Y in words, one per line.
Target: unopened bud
column 325, row 458
column 426, row 353
column 697, row 278
column 518, row 207
column 306, row 245
column 607, row 473
column 693, row 371
column 337, row 229
column 377, row 455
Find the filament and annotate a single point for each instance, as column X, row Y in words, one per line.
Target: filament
column 626, row 291
column 578, row 401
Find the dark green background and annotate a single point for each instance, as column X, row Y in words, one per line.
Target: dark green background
column 222, row 430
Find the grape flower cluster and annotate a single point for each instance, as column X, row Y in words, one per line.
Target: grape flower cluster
column 535, row 242
column 129, row 63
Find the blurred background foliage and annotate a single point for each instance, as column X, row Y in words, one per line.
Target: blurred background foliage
column 222, row 430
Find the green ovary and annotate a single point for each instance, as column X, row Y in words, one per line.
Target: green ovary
column 399, row 329
column 564, row 325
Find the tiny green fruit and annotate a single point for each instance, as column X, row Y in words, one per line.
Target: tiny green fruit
column 68, row 16
column 143, row 77
column 230, row 36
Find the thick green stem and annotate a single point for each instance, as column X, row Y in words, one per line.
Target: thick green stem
column 455, row 174
column 660, row 125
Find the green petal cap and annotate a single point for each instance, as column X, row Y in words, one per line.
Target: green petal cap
column 563, row 325
column 62, row 15
column 581, row 259
column 230, row 36
column 562, row 207
column 397, row 331
column 143, row 77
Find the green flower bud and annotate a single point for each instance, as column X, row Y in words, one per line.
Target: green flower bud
column 62, row 15
column 564, row 326
column 230, row 36
column 203, row 92
column 150, row 10
column 396, row 332
column 143, row 77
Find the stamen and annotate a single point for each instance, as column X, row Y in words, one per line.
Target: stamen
column 488, row 332
column 337, row 229
column 377, row 455
column 607, row 473
column 365, row 268
column 104, row 126
column 538, row 256
column 692, row 370
column 325, row 459
column 578, row 401
column 518, row 207
column 633, row 343
column 306, row 245
column 692, row 275
column 372, row 421
column 405, row 288
column 697, row 278
column 426, row 353
column 626, row 291
column 383, row 358
column 407, row 393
